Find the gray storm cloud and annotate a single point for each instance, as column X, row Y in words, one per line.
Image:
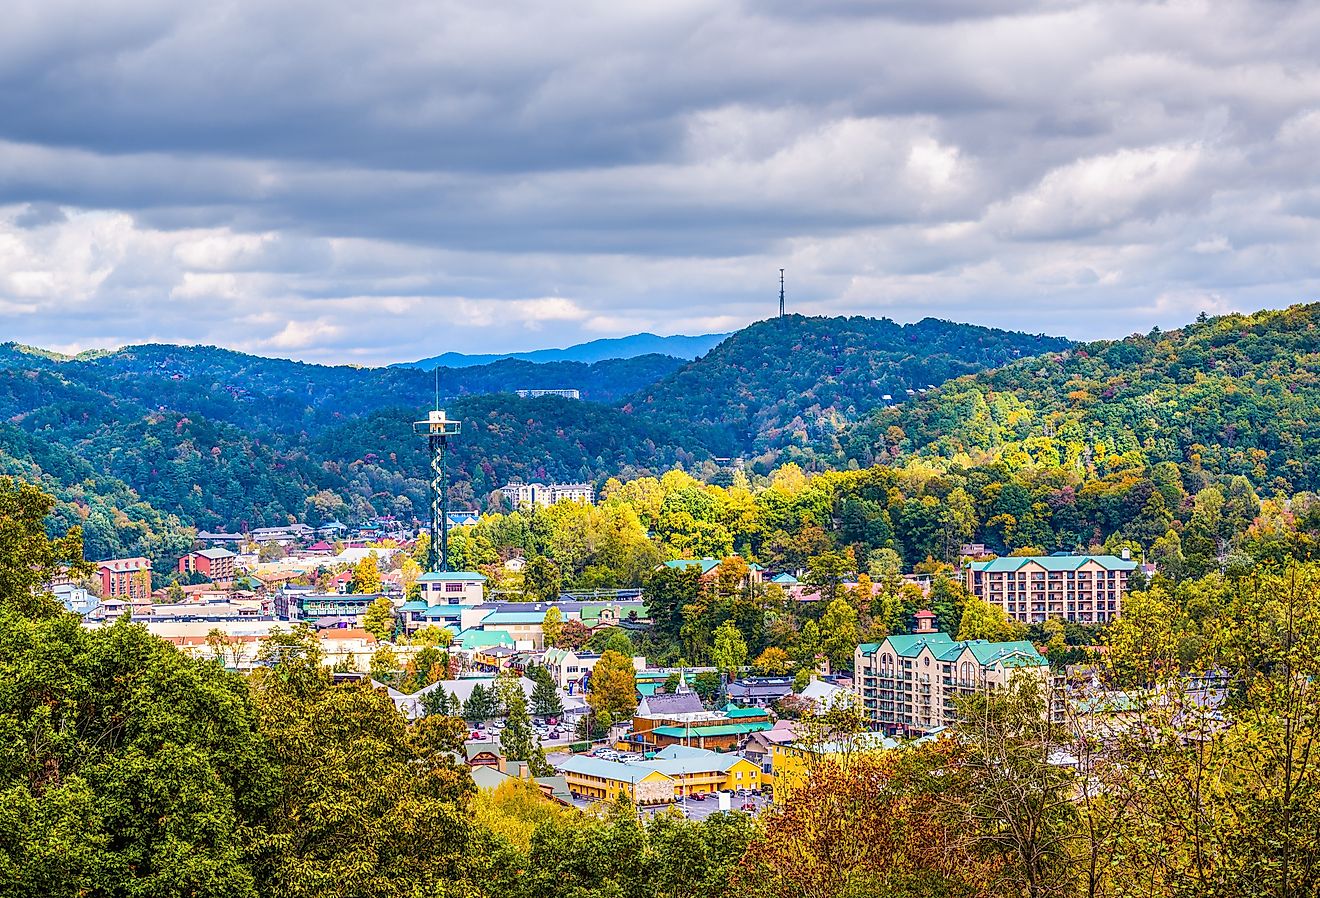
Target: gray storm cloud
column 339, row 182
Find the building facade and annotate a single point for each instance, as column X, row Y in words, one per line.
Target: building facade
column 1087, row 589
column 217, row 564
column 125, row 578
column 532, row 495
column 909, row 684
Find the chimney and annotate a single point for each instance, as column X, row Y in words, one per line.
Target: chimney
column 1127, row 554
column 925, row 622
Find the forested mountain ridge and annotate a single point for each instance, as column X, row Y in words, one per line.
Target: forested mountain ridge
column 1232, row 395
column 794, row 381
column 678, row 346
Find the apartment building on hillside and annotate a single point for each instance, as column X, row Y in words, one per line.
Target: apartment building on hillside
column 125, row 578
column 531, row 495
column 909, row 683
column 1087, row 589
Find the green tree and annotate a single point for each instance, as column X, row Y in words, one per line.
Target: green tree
column 552, row 627
column 542, row 581
column 379, row 618
column 481, row 706
column 545, row 699
column 842, row 633
column 516, row 741
column 29, row 559
column 981, row 620
column 729, row 652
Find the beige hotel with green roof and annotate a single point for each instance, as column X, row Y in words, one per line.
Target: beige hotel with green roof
column 1086, row 589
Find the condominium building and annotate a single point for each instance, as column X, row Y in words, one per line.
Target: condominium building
column 1087, row 589
column 530, row 495
column 217, row 564
column 908, row 684
column 125, row 578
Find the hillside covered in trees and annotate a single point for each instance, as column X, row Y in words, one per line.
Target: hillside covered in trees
column 141, row 443
column 796, row 380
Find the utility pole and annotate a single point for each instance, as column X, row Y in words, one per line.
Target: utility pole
column 781, row 293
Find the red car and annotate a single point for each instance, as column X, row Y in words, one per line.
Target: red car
column 749, row 806
column 698, row 796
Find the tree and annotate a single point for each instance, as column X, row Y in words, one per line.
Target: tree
column 552, row 627
column 379, row 618
column 545, row 699
column 773, row 662
column 366, row 576
column 516, row 740
column 542, row 581
column 613, row 687
column 384, row 664
column 574, row 635
column 29, row 559
column 842, row 634
column 981, row 620
column 729, row 652
column 481, row 705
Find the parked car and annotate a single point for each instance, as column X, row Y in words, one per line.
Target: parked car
column 698, row 796
column 749, row 806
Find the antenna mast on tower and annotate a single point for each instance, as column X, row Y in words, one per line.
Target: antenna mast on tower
column 438, row 429
column 781, row 293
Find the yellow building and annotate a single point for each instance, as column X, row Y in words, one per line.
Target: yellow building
column 673, row 774
column 599, row 780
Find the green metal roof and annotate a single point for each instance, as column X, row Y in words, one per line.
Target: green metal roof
column 723, row 729
column 706, row 564
column 480, row 639
column 442, row 611
column 733, row 712
column 908, row 645
column 414, row 605
column 1021, row 654
column 1052, row 563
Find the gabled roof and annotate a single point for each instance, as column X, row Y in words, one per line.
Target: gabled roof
column 722, row 729
column 909, row 645
column 784, row 579
column 513, row 617
column 482, row 639
column 1052, row 563
column 414, row 605
column 670, row 752
column 215, row 554
column 665, row 703
column 705, row 564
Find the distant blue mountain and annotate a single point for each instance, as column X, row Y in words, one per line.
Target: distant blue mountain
column 678, row 346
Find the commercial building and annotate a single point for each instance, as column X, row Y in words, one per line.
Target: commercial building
column 1086, row 589
column 675, row 773
column 531, row 495
column 215, row 564
column 125, row 578
column 536, row 394
column 909, row 683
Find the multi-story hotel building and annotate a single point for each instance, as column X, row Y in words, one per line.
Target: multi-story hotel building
column 125, row 578
column 908, row 684
column 530, row 495
column 1087, row 589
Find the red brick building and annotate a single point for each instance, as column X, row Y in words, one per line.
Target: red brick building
column 125, row 578
column 217, row 564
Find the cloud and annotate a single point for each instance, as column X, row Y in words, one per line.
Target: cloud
column 341, row 183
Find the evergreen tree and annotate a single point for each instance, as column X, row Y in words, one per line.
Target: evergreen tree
column 545, row 700
column 481, row 705
column 517, row 742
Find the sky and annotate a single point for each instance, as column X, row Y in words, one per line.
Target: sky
column 369, row 183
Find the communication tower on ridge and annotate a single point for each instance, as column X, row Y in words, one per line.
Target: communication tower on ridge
column 437, row 428
column 781, row 293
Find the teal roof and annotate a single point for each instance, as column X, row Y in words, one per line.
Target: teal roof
column 670, row 752
column 480, row 639
column 908, row 645
column 443, row 576
column 414, row 605
column 733, row 712
column 442, row 611
column 706, row 564
column 784, row 579
column 869, row 648
column 723, row 729
column 610, row 770
column 1052, row 563
column 646, row 690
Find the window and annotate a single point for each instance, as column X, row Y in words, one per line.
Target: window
column 453, row 587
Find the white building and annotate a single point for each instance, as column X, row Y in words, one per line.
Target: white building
column 530, row 495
